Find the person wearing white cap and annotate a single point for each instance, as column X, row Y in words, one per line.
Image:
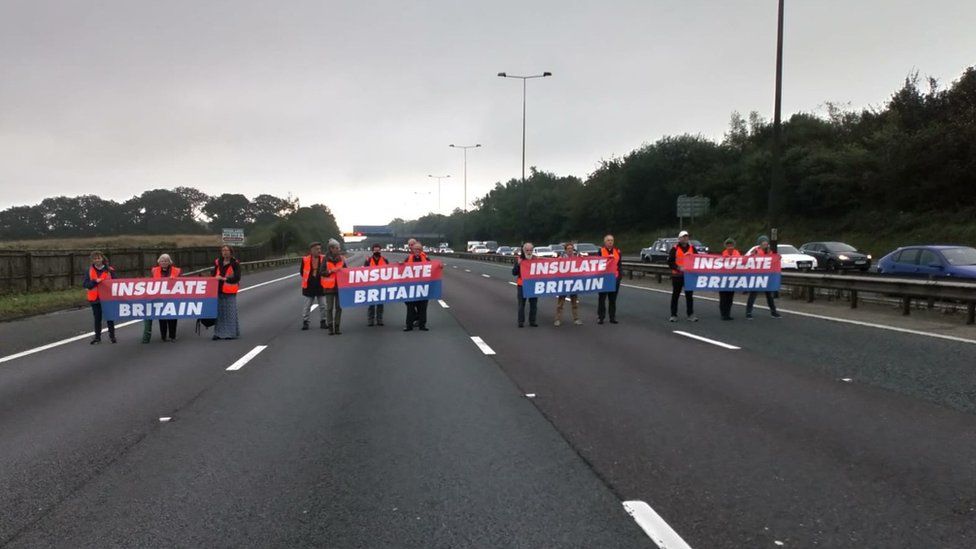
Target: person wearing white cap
column 675, row 261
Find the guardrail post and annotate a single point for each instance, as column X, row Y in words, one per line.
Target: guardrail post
column 853, row 299
column 971, row 313
column 906, row 305
column 630, row 274
column 28, row 270
column 71, row 270
column 811, row 291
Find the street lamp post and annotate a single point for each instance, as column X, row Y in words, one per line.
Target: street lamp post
column 524, row 80
column 438, row 178
column 465, row 149
column 775, row 184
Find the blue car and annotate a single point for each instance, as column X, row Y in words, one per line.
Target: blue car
column 931, row 261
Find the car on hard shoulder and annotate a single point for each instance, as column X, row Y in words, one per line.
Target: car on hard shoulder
column 480, row 250
column 658, row 251
column 445, row 251
column 935, row 261
column 585, row 248
column 791, row 259
column 544, row 251
column 837, row 256
column 505, row 250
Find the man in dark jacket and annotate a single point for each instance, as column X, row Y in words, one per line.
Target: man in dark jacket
column 523, row 254
column 416, row 310
column 374, row 314
column 609, row 250
column 675, row 261
column 311, row 269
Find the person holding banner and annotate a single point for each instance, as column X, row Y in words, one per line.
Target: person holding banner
column 569, row 250
column 725, row 298
column 676, row 260
column 416, row 310
column 227, row 270
column 609, row 250
column 374, row 313
column 525, row 253
column 98, row 272
column 310, row 268
column 333, row 309
column 762, row 250
column 167, row 327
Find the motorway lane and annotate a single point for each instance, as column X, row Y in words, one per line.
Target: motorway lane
column 734, row 448
column 365, row 440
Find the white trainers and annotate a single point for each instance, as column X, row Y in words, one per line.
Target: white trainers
column 692, row 318
column 578, row 322
column 557, row 323
column 673, row 319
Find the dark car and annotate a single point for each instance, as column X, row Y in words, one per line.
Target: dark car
column 837, row 256
column 585, row 248
column 930, row 261
column 658, row 252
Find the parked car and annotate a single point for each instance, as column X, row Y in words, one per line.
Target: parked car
column 505, row 250
column 544, row 251
column 479, row 250
column 930, row 261
column 658, row 252
column 791, row 258
column 445, row 251
column 585, row 248
column 836, row 256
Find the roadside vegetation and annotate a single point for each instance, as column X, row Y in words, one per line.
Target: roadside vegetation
column 19, row 305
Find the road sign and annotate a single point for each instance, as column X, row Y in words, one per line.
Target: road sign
column 692, row 206
column 233, row 237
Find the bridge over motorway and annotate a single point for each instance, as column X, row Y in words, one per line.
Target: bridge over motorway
column 805, row 431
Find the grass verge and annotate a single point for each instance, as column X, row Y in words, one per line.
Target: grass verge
column 20, row 305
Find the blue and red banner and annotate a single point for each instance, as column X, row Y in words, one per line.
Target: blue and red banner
column 717, row 273
column 363, row 286
column 165, row 298
column 568, row 276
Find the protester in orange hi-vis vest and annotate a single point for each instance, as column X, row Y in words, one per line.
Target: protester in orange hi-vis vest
column 333, row 310
column 312, row 270
column 98, row 272
column 675, row 258
column 167, row 327
column 227, row 271
column 725, row 298
column 609, row 250
column 525, row 253
column 763, row 249
column 374, row 313
column 416, row 310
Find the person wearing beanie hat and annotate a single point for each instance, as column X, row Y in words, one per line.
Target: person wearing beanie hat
column 762, row 249
column 311, row 269
column 725, row 298
column 333, row 263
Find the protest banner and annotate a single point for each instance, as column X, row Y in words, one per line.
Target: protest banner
column 716, row 273
column 362, row 286
column 158, row 298
column 568, row 276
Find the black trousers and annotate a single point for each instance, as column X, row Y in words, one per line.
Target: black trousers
column 677, row 284
column 167, row 328
column 533, row 307
column 375, row 313
column 601, row 306
column 751, row 302
column 97, row 313
column 725, row 303
column 417, row 311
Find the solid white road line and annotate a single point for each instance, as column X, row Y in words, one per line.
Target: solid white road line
column 313, row 307
column 247, row 358
column 706, row 340
column 654, row 526
column 482, row 345
column 513, row 283
column 61, row 342
column 486, row 275
column 833, row 319
column 467, row 270
column 443, row 304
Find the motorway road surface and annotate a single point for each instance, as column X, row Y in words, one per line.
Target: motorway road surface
column 380, row 438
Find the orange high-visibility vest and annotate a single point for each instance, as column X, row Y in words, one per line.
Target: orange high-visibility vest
column 227, row 287
column 760, row 251
column 373, row 262
column 307, row 269
column 615, row 253
column 157, row 272
column 734, row 253
column 329, row 281
column 679, row 256
column 423, row 258
column 93, row 274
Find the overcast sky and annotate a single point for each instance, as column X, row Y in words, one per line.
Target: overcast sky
column 353, row 104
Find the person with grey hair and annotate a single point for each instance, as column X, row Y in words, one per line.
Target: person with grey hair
column 167, row 326
column 333, row 263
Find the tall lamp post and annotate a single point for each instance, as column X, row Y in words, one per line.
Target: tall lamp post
column 438, row 178
column 775, row 184
column 525, row 191
column 465, row 149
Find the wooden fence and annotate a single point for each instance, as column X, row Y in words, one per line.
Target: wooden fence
column 38, row 271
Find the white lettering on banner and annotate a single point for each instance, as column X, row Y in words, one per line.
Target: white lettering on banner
column 569, row 286
column 393, row 293
column 567, row 267
column 709, row 263
column 160, row 308
column 159, row 287
column 394, row 272
column 732, row 282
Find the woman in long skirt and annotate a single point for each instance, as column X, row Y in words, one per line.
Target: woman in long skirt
column 228, row 273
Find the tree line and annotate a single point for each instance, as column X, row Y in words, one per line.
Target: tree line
column 914, row 156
